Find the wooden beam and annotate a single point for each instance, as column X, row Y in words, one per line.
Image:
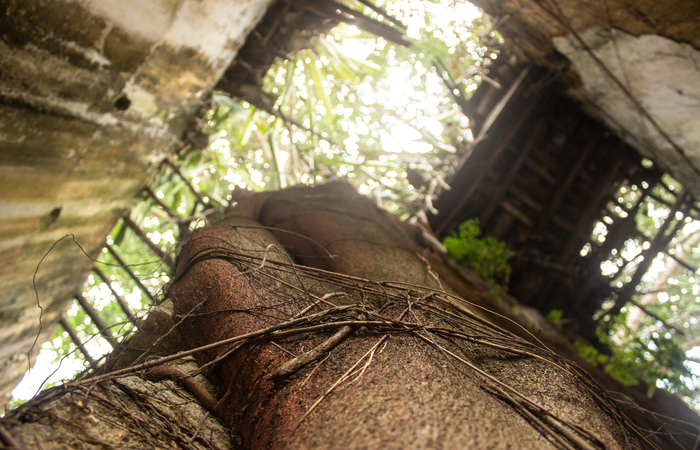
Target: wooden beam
column 563, row 188
column 507, row 181
column 515, row 212
column 541, row 171
column 526, row 198
column 563, row 223
column 513, row 128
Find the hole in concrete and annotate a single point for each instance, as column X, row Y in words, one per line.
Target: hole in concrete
column 53, row 215
column 122, row 103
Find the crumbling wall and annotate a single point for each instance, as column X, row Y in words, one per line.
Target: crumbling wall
column 633, row 64
column 93, row 94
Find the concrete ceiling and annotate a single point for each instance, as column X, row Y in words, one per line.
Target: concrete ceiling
column 93, row 94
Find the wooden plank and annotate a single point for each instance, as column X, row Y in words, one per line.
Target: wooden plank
column 495, row 113
column 541, row 171
column 507, row 181
column 515, row 212
column 563, row 188
column 529, row 201
column 512, row 129
column 563, row 223
column 525, row 183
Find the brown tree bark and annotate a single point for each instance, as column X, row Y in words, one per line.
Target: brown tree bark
column 396, row 360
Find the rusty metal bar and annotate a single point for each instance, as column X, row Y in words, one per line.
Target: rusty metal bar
column 122, row 303
column 97, row 320
column 176, row 169
column 182, row 224
column 658, row 244
column 160, row 203
column 146, row 240
column 74, row 337
column 133, row 276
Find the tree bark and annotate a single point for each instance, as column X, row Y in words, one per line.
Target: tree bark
column 419, row 368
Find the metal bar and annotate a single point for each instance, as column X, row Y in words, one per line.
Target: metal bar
column 650, row 313
column 660, row 200
column 146, row 240
column 97, row 320
column 160, row 203
column 133, row 276
column 122, row 303
column 74, row 337
column 182, row 224
column 658, row 244
column 683, row 263
column 176, row 169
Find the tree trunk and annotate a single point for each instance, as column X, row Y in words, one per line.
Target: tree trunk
column 393, row 358
column 341, row 332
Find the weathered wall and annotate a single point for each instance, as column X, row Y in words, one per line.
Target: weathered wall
column 635, row 65
column 92, row 94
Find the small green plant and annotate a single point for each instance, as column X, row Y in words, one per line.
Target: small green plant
column 590, row 354
column 487, row 257
column 554, row 317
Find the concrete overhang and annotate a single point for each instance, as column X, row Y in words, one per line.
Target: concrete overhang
column 93, row 94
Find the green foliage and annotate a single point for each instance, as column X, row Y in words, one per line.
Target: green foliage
column 554, row 316
column 655, row 360
column 590, row 354
column 651, row 335
column 14, row 403
column 487, row 257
